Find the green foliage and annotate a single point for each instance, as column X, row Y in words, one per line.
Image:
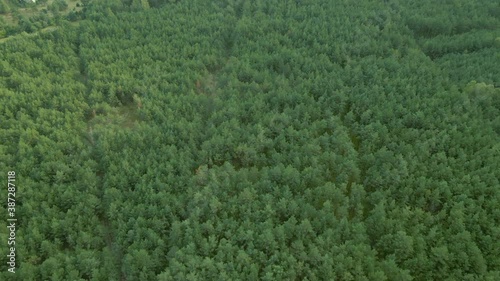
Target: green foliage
column 58, row 6
column 256, row 140
column 4, row 7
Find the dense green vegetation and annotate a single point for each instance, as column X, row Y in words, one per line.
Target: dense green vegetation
column 256, row 140
column 20, row 16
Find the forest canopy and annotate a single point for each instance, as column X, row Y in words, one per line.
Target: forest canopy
column 253, row 140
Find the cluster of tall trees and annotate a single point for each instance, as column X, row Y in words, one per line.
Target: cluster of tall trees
column 256, row 140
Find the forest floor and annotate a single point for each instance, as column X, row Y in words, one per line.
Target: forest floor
column 116, row 118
